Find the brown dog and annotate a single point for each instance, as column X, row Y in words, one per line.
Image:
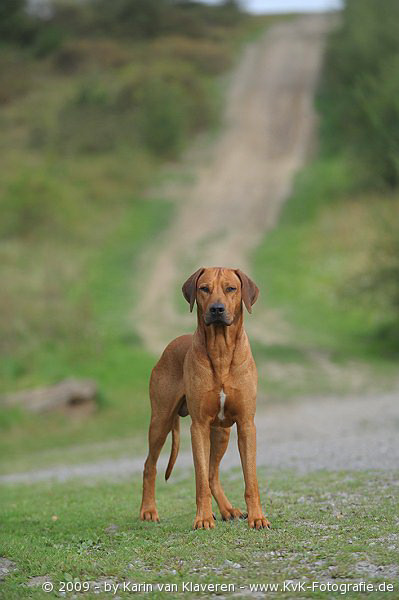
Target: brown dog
column 212, row 376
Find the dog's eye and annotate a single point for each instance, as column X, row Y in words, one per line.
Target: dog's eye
column 204, row 288
column 230, row 289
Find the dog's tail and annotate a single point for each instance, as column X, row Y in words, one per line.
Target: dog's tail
column 175, row 446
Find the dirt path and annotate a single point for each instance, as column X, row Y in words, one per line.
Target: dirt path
column 239, row 190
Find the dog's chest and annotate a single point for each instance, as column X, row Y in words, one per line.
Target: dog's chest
column 224, row 408
column 222, row 402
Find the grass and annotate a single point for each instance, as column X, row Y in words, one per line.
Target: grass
column 309, row 265
column 110, row 353
column 326, row 526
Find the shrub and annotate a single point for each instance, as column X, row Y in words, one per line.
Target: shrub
column 198, row 91
column 376, row 124
column 361, row 86
column 90, row 121
column 163, row 117
column 47, row 40
column 207, row 56
column 382, row 282
column 15, row 76
column 360, row 101
column 78, row 55
column 15, row 24
column 129, row 18
column 158, row 104
column 30, row 204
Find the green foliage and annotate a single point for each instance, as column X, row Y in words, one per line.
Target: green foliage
column 157, row 107
column 91, row 121
column 206, row 55
column 86, row 55
column 359, row 102
column 377, row 124
column 379, row 281
column 160, row 91
column 361, row 87
column 15, row 24
column 317, row 186
column 28, row 206
column 322, row 265
column 173, row 102
column 15, row 76
column 144, row 19
column 133, row 18
column 163, row 117
column 47, row 40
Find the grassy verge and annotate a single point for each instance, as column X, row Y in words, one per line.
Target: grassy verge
column 331, row 267
column 334, row 527
column 311, row 267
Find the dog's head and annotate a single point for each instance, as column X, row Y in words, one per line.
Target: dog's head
column 220, row 294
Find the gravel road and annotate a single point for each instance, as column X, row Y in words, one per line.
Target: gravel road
column 322, row 433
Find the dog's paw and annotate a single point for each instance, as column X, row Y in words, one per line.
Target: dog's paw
column 230, row 514
column 258, row 522
column 204, row 522
column 149, row 514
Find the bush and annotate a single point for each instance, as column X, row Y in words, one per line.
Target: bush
column 382, row 282
column 361, row 87
column 158, row 105
column 30, row 205
column 47, row 41
column 208, row 57
column 130, row 18
column 163, row 117
column 376, row 125
column 360, row 102
column 77, row 55
column 15, row 76
column 15, row 24
column 198, row 91
column 92, row 122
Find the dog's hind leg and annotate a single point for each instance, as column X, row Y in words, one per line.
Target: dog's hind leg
column 159, row 429
column 219, row 442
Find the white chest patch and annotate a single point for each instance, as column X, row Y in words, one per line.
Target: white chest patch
column 222, row 398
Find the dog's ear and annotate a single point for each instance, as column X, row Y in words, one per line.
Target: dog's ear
column 249, row 290
column 189, row 288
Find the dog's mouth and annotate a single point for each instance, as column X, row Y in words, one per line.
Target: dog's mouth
column 217, row 320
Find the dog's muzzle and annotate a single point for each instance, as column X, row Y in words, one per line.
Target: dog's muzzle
column 217, row 315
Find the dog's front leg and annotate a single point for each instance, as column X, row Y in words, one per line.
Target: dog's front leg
column 200, row 441
column 247, row 447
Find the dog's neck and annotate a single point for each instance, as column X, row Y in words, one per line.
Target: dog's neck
column 223, row 344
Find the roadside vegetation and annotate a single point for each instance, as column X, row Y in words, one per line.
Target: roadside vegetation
column 96, row 98
column 331, row 266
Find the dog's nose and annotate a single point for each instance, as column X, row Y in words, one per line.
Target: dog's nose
column 217, row 309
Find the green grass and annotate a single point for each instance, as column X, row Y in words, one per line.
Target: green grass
column 309, row 265
column 326, row 526
column 109, row 352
